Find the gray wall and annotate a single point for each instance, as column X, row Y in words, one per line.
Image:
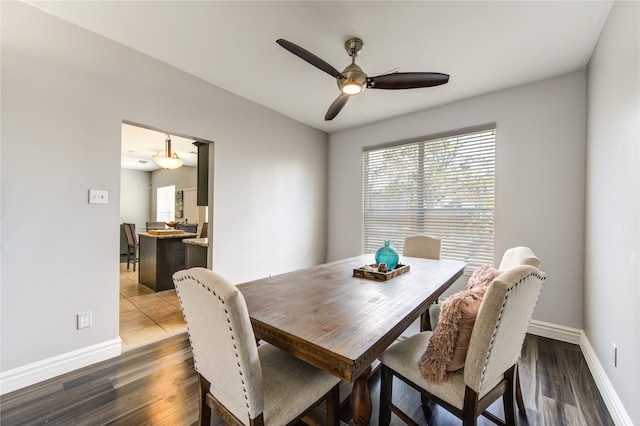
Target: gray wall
column 135, row 197
column 65, row 92
column 612, row 302
column 540, row 153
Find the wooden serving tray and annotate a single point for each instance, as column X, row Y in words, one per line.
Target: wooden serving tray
column 165, row 231
column 380, row 276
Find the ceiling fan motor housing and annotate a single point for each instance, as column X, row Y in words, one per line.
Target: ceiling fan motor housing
column 355, row 75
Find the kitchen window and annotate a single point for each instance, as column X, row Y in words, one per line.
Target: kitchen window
column 166, row 204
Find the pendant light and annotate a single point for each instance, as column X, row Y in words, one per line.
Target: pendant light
column 168, row 159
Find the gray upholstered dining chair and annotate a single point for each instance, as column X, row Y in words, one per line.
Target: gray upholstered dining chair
column 132, row 244
column 243, row 383
column 187, row 227
column 424, row 246
column 492, row 358
column 156, row 225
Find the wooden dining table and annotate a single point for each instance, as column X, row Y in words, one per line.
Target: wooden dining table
column 341, row 323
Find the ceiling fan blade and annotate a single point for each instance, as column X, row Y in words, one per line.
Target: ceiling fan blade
column 310, row 57
column 407, row 80
column 336, row 107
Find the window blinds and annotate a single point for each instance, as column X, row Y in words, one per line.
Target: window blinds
column 442, row 187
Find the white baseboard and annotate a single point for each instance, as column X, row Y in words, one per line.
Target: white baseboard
column 613, row 403
column 27, row 375
column 555, row 332
column 578, row 337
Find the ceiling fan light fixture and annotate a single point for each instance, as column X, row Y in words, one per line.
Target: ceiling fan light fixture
column 352, row 88
column 354, row 82
column 168, row 159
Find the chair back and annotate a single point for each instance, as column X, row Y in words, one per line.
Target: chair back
column 518, row 256
column 424, row 246
column 130, row 233
column 156, row 225
column 222, row 340
column 501, row 326
column 187, row 227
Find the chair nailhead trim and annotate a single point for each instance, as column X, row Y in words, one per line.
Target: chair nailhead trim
column 195, row 361
column 504, row 302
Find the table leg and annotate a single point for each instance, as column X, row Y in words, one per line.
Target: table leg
column 360, row 400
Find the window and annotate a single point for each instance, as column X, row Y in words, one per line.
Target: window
column 166, row 204
column 443, row 186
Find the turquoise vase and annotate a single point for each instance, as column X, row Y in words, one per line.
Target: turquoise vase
column 388, row 255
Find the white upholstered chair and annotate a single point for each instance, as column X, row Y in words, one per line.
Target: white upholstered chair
column 513, row 257
column 492, row 358
column 424, row 246
column 245, row 384
column 518, row 256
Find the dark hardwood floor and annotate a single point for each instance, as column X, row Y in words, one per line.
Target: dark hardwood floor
column 156, row 385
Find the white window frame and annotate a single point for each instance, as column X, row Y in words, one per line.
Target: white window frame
column 442, row 185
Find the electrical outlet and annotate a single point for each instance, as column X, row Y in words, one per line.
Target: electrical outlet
column 614, row 354
column 84, row 320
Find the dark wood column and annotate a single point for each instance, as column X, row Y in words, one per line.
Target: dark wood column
column 203, row 173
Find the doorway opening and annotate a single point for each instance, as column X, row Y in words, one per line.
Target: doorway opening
column 160, row 201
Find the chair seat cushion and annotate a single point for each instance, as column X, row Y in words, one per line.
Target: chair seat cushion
column 404, row 357
column 289, row 385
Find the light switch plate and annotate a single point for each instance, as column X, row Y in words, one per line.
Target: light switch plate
column 98, row 196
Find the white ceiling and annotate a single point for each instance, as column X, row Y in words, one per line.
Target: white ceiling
column 139, row 144
column 483, row 45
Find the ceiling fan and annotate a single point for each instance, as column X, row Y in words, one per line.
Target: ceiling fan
column 352, row 80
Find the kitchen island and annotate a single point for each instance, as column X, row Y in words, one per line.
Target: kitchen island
column 161, row 255
column 196, row 252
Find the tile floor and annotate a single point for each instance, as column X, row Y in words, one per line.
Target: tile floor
column 146, row 316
